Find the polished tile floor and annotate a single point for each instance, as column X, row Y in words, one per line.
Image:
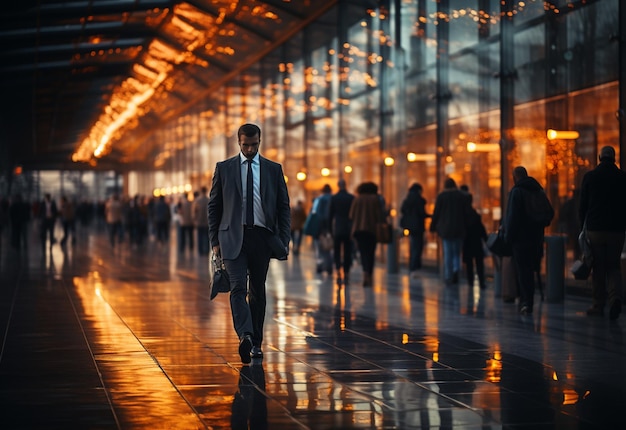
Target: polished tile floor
column 95, row 338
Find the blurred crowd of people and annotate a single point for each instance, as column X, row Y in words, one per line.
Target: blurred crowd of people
column 128, row 220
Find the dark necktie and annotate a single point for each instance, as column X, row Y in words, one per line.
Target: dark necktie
column 249, row 196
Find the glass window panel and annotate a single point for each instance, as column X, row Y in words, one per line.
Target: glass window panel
column 529, row 48
column 463, row 21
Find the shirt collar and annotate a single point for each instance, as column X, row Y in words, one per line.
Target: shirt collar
column 242, row 158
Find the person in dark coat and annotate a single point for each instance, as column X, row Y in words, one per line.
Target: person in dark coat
column 366, row 212
column 525, row 237
column 48, row 213
column 473, row 247
column 413, row 216
column 323, row 256
column 449, row 222
column 603, row 205
column 341, row 229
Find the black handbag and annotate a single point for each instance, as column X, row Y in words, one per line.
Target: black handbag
column 497, row 245
column 220, row 282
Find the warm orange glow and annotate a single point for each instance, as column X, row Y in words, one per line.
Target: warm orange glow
column 300, row 176
column 389, row 161
column 17, row 171
column 325, row 171
column 347, row 169
column 412, row 157
column 562, row 134
column 482, row 147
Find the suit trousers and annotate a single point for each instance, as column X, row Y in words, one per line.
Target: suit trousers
column 247, row 274
column 606, row 247
column 526, row 261
column 342, row 253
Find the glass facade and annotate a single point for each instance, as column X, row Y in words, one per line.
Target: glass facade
column 459, row 88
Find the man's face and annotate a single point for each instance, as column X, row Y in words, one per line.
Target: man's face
column 249, row 145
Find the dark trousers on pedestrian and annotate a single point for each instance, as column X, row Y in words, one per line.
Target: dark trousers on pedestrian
column 115, row 232
column 69, row 227
column 479, row 262
column 203, row 240
column 47, row 230
column 185, row 236
column 416, row 248
column 526, row 262
column 366, row 242
column 342, row 253
column 606, row 247
column 247, row 274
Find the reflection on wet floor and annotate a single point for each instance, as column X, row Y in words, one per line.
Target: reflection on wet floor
column 95, row 337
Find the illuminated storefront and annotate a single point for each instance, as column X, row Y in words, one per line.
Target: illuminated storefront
column 460, row 88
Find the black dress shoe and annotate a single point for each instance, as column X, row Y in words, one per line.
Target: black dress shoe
column 256, row 352
column 245, row 346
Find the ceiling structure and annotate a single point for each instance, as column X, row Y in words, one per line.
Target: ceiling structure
column 80, row 77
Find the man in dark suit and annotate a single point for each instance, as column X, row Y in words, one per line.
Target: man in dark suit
column 341, row 228
column 249, row 223
column 48, row 213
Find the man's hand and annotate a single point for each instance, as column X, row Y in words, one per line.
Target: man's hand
column 216, row 250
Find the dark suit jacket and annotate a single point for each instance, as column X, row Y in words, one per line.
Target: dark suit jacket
column 340, row 223
column 53, row 209
column 226, row 203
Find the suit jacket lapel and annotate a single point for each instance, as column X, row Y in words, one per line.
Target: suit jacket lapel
column 236, row 172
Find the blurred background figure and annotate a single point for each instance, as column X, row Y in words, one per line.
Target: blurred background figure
column 321, row 206
column 298, row 216
column 200, row 214
column 341, row 229
column 48, row 213
column 68, row 220
column 113, row 214
column 449, row 221
column 185, row 224
column 474, row 247
column 366, row 212
column 413, row 217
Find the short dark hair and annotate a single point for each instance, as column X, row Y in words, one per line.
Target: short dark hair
column 249, row 130
column 520, row 172
column 607, row 153
column 449, row 183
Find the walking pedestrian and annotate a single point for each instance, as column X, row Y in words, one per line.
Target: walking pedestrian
column 341, row 227
column 603, row 208
column 248, row 211
column 413, row 217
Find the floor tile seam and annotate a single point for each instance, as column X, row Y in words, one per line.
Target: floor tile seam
column 14, row 296
column 552, row 367
column 313, row 336
column 144, row 349
column 80, row 318
column 273, row 399
column 328, row 375
column 235, row 369
column 381, row 402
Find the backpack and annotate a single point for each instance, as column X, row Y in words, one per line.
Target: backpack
column 538, row 208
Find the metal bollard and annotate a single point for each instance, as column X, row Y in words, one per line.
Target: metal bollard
column 555, row 268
